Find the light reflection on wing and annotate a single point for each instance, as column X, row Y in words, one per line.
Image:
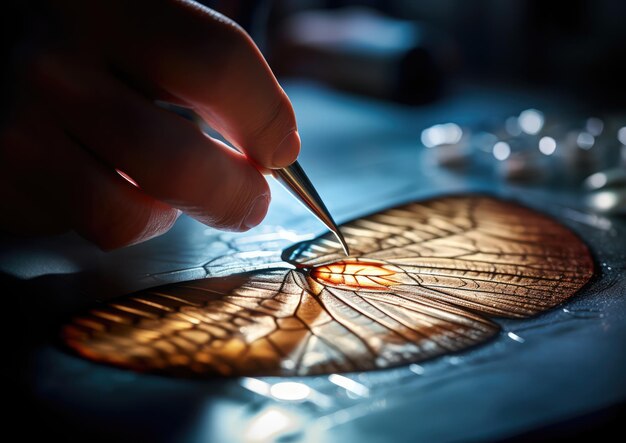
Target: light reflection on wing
column 270, row 323
column 480, row 253
column 419, row 275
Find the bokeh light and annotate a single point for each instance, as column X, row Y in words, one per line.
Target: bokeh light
column 547, row 145
column 621, row 135
column 270, row 424
column 444, row 134
column 594, row 126
column 290, row 391
column 511, row 125
column 585, row 140
column 596, row 181
column 531, row 121
column 501, row 151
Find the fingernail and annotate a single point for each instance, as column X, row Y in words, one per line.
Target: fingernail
column 257, row 212
column 287, row 150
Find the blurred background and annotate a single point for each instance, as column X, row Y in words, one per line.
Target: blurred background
column 570, row 56
column 577, row 47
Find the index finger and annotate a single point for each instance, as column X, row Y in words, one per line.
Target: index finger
column 206, row 60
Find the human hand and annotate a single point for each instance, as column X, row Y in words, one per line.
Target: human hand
column 83, row 107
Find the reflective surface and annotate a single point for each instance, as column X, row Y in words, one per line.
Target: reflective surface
column 422, row 275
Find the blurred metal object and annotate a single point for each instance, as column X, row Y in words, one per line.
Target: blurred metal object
column 364, row 51
column 606, row 179
column 607, row 191
column 296, row 181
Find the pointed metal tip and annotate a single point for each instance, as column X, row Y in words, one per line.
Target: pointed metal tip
column 342, row 241
column 296, row 181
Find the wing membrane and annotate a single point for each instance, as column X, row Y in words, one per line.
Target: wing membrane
column 271, row 323
column 494, row 257
column 421, row 277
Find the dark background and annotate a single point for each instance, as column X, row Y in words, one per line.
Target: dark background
column 578, row 46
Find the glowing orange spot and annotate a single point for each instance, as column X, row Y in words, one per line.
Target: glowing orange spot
column 357, row 274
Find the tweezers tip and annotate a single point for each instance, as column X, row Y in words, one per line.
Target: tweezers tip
column 342, row 242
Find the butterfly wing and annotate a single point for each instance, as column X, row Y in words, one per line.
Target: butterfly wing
column 271, row 323
column 476, row 252
column 424, row 269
